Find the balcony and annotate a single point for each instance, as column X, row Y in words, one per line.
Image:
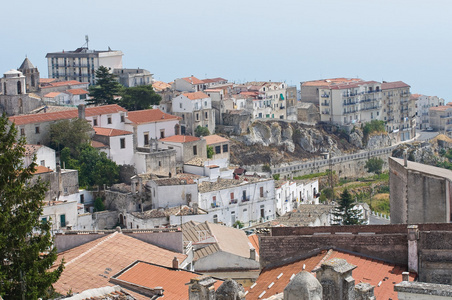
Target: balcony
column 350, row 103
column 325, row 104
column 214, row 205
column 233, row 201
column 325, row 96
column 245, row 199
column 371, row 108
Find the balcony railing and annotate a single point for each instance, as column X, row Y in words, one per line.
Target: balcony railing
column 233, row 201
column 246, row 199
column 325, row 96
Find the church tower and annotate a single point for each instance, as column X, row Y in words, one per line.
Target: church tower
column 31, row 75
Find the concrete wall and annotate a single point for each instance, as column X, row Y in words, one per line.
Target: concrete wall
column 398, row 177
column 223, row 261
column 59, row 185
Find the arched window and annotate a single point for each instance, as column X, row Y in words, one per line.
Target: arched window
column 4, row 88
column 32, row 80
column 19, row 88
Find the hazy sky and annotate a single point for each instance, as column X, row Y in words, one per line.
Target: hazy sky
column 292, row 41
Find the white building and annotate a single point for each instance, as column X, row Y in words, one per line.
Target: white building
column 151, row 124
column 82, row 63
column 171, row 192
column 286, row 196
column 247, row 200
column 195, row 109
column 308, row 191
column 120, row 144
column 133, row 77
column 423, row 103
column 45, row 156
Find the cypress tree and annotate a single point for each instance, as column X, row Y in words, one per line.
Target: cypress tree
column 26, row 244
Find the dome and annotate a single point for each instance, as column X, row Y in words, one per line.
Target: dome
column 13, row 73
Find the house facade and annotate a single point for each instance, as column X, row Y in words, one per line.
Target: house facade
column 229, row 200
column 440, row 118
column 220, row 146
column 133, row 77
column 423, row 104
column 120, row 144
column 187, row 147
column 194, row 109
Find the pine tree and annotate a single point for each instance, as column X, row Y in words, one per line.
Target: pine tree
column 345, row 213
column 105, row 89
column 26, row 245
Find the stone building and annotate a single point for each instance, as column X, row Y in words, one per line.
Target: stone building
column 14, row 97
column 133, row 77
column 32, row 77
column 308, row 113
column 419, row 193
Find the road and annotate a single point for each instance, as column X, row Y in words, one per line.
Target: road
column 425, row 135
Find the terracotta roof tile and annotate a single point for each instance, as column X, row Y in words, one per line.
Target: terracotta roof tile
column 254, row 240
column 212, row 80
column 65, row 115
column 195, row 95
column 77, row 91
column 193, row 80
column 440, row 108
column 52, row 94
column 368, row 270
column 180, row 139
column 149, row 116
column 61, row 83
column 42, row 169
column 110, row 131
column 173, row 281
column 214, row 139
column 97, row 144
column 31, row 149
column 92, row 264
column 327, row 82
column 393, row 85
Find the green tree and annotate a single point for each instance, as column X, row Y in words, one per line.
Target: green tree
column 74, row 134
column 26, row 245
column 374, row 165
column 99, row 204
column 105, row 89
column 210, row 152
column 202, row 131
column 139, row 97
column 345, row 213
column 373, row 126
column 96, row 168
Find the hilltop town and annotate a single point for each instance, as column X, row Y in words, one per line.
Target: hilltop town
column 211, row 189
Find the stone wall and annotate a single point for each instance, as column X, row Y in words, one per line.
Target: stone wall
column 388, row 243
column 398, row 197
column 60, row 184
column 239, row 119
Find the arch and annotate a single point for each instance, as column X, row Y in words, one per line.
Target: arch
column 19, row 87
column 32, row 77
column 4, row 88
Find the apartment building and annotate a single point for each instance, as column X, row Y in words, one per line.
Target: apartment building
column 423, row 104
column 440, row 118
column 355, row 103
column 399, row 110
column 82, row 63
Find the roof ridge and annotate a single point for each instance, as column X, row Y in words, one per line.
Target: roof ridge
column 326, row 257
column 91, row 249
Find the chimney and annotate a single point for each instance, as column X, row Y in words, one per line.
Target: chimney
column 337, row 273
column 201, row 288
column 81, row 112
column 175, row 263
column 413, row 237
column 406, row 276
column 405, row 160
column 195, row 208
column 252, row 253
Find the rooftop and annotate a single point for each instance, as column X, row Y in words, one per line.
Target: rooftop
column 393, row 85
column 49, row 84
column 220, row 184
column 65, row 115
column 160, row 86
column 180, row 139
column 92, row 264
column 215, row 139
column 331, row 81
column 149, row 116
column 195, row 95
column 77, row 91
column 110, row 131
column 173, row 281
column 31, row 149
column 378, row 273
column 193, row 80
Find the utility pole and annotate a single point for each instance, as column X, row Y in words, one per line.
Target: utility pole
column 330, row 175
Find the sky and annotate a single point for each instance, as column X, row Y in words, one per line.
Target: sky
column 247, row 40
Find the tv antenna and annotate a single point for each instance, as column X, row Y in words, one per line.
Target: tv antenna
column 86, row 41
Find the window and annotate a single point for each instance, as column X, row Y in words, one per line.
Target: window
column 195, row 150
column 19, row 88
column 206, row 115
column 123, row 119
column 205, row 103
column 180, row 105
column 162, row 133
column 197, row 116
column 37, row 129
column 215, row 218
column 109, row 119
column 95, row 122
column 225, row 148
column 261, row 191
column 22, row 131
column 43, row 163
column 123, row 143
column 146, row 138
column 44, row 220
column 63, row 220
column 160, row 163
column 217, row 149
column 232, row 196
column 82, row 198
